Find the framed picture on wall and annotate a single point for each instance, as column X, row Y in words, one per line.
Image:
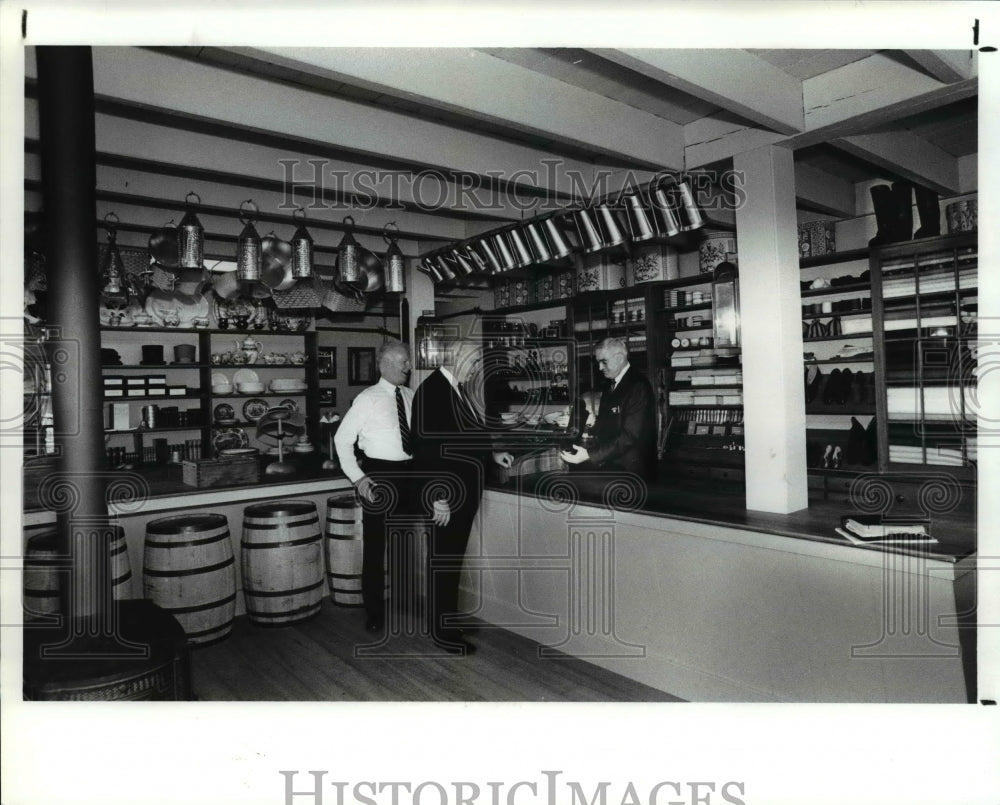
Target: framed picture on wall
column 328, row 397
column 326, row 362
column 360, row 366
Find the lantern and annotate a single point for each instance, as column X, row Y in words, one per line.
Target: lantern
column 191, row 237
column 302, row 249
column 347, row 256
column 248, row 249
column 395, row 280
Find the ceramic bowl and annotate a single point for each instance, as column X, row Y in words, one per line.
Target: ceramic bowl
column 249, row 388
column 222, row 388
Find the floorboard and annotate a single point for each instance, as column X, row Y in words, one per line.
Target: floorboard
column 332, row 658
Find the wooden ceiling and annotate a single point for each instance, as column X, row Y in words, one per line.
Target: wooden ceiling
column 451, row 142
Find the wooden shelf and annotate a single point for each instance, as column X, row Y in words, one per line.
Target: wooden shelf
column 854, row 288
column 147, row 367
column 834, row 257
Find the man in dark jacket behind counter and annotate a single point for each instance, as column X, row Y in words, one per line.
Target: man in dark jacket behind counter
column 625, row 427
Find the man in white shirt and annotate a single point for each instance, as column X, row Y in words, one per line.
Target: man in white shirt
column 379, row 423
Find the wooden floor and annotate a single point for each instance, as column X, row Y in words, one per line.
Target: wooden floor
column 332, row 658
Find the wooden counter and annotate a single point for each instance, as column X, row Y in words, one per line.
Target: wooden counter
column 711, row 610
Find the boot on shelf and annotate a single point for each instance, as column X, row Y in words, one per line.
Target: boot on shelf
column 929, row 211
column 883, row 201
column 902, row 193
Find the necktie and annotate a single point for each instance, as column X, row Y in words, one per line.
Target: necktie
column 404, row 426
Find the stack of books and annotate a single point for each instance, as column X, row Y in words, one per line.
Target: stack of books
column 876, row 529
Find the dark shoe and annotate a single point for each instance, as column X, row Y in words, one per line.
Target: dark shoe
column 813, row 385
column 844, row 388
column 856, row 450
column 929, row 211
column 831, row 393
column 871, row 443
column 883, row 201
column 902, row 193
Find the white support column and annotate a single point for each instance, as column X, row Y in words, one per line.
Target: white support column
column 771, row 333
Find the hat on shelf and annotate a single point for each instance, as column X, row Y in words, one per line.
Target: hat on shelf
column 152, row 355
column 110, row 357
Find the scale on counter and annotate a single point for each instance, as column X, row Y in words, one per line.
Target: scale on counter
column 280, row 424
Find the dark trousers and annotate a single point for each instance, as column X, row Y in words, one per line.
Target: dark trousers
column 445, row 555
column 391, row 501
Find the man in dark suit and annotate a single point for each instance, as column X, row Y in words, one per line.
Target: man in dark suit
column 625, row 427
column 451, row 450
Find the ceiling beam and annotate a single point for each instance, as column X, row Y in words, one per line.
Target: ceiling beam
column 907, row 155
column 170, row 193
column 947, row 66
column 719, row 137
column 867, row 85
column 818, row 190
column 200, row 155
column 481, row 86
column 237, row 100
column 740, row 83
column 866, row 117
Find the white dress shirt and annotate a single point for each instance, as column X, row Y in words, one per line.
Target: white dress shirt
column 619, row 376
column 372, row 421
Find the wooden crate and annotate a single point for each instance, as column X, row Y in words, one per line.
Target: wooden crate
column 226, row 471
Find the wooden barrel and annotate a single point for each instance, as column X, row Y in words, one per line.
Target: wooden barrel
column 282, row 562
column 189, row 570
column 344, row 547
column 41, row 576
column 46, row 569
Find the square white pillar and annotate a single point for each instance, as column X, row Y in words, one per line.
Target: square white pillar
column 771, row 333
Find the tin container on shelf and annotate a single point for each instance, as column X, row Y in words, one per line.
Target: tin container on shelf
column 962, row 216
column 817, row 238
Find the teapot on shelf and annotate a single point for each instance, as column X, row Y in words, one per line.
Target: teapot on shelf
column 250, row 348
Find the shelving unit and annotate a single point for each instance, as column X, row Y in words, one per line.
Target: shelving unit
column 926, row 300
column 625, row 313
column 839, row 360
column 526, row 366
column 700, row 388
column 197, row 379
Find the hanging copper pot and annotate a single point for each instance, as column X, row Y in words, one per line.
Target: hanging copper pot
column 536, row 239
column 691, row 211
column 555, row 236
column 640, row 223
column 429, row 267
column 248, row 248
column 487, row 254
column 587, row 230
column 163, row 246
column 503, row 253
column 520, row 250
column 191, row 237
column 463, row 263
column 611, row 231
column 665, row 213
column 276, row 263
column 302, row 249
